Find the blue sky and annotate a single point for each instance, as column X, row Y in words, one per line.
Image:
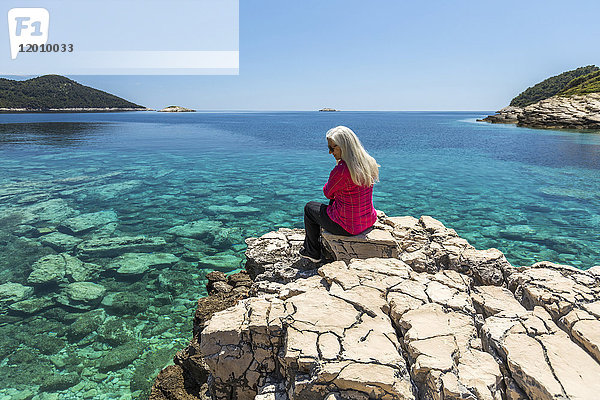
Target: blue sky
column 382, row 55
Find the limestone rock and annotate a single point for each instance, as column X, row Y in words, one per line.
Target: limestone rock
column 84, row 223
column 12, row 292
column 139, row 263
column 541, row 358
column 60, row 241
column 437, row 320
column 60, row 267
column 115, row 246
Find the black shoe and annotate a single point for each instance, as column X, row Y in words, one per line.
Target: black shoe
column 303, row 253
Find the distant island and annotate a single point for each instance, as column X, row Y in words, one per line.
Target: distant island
column 328, row 109
column 55, row 93
column 570, row 100
column 176, row 109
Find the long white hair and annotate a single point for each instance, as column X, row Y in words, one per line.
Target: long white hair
column 364, row 170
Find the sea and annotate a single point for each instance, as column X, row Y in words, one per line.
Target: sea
column 82, row 324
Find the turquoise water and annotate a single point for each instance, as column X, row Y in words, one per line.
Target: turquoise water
column 533, row 194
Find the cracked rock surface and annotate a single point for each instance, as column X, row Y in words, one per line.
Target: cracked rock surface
column 408, row 310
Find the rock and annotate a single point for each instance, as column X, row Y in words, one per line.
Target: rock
column 541, row 358
column 196, row 229
column 123, row 303
column 234, row 210
column 139, row 263
column 439, row 320
column 173, row 383
column 60, row 267
column 50, row 268
column 85, row 292
column 115, row 246
column 31, row 306
column 119, row 357
column 60, row 242
column 249, row 340
column 176, row 109
column 243, row 199
column 507, row 115
column 58, row 382
column 85, row 324
column 220, row 262
column 115, row 332
column 84, row 223
column 570, row 112
column 81, row 295
column 372, row 243
column 12, row 292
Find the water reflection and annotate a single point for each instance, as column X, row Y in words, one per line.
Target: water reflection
column 60, row 134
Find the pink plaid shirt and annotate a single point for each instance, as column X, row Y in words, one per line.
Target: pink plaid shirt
column 352, row 206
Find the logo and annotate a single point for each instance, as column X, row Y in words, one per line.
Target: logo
column 27, row 26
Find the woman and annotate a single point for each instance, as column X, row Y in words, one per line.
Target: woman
column 350, row 190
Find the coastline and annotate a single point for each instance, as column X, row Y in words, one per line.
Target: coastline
column 361, row 326
column 68, row 110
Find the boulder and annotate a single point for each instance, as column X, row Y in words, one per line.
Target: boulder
column 115, row 246
column 139, row 263
column 84, row 223
column 11, row 292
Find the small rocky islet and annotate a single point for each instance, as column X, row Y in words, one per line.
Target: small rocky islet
column 408, row 310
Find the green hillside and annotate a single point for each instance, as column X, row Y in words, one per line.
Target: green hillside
column 589, row 83
column 55, row 91
column 551, row 86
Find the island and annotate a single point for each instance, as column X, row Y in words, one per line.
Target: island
column 328, row 109
column 570, row 100
column 55, row 93
column 176, row 109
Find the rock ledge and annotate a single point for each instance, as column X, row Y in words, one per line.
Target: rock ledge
column 420, row 314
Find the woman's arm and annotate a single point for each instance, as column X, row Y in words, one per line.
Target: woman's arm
column 336, row 182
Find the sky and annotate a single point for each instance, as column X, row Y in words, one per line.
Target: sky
column 382, row 55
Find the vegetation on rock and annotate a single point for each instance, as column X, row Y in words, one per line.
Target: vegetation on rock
column 555, row 85
column 56, row 92
column 585, row 84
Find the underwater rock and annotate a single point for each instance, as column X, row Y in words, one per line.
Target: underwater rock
column 234, row 210
column 119, row 357
column 82, row 295
column 54, row 211
column 84, row 223
column 31, row 306
column 115, row 246
column 57, row 382
column 84, row 325
column 125, row 302
column 196, row 229
column 139, row 263
column 220, row 262
column 115, row 331
column 60, row 241
column 243, row 199
column 11, row 292
column 60, row 267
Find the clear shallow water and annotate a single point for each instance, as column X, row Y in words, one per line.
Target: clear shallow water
column 533, row 194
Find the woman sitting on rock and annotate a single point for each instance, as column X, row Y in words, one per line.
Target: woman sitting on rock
column 350, row 190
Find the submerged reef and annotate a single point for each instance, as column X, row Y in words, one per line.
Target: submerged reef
column 407, row 310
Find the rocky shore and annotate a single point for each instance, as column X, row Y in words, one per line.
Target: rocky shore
column 408, row 310
column 563, row 112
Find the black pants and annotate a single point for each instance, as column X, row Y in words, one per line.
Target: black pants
column 315, row 217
